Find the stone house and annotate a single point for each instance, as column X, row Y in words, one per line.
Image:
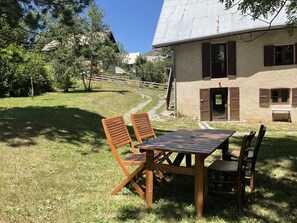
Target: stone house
column 227, row 66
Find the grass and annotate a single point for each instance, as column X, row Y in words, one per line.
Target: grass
column 56, row 165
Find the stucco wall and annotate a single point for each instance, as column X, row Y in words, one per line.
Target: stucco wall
column 251, row 74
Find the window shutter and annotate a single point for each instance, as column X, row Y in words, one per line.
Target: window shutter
column 295, row 53
column 269, row 55
column 264, row 99
column 234, row 104
column 231, row 58
column 294, row 96
column 205, row 105
column 206, row 60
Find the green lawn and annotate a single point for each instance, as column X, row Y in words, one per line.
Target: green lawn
column 56, row 165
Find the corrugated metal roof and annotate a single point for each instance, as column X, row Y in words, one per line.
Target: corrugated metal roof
column 189, row 20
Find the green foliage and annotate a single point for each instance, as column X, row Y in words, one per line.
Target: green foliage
column 258, row 8
column 154, row 71
column 17, row 68
column 85, row 46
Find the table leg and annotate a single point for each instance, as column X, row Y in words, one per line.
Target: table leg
column 149, row 177
column 225, row 147
column 199, row 185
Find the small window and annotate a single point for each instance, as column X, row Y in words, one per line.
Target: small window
column 280, row 96
column 283, row 55
column 218, row 99
column 218, row 60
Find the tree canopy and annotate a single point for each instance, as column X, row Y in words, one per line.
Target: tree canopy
column 258, row 8
column 30, row 15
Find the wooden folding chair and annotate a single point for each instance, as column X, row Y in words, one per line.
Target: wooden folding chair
column 118, row 136
column 228, row 177
column 252, row 157
column 143, row 130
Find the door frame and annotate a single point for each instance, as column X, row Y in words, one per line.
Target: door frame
column 225, row 97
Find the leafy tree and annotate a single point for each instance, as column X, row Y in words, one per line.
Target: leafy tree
column 18, row 68
column 154, row 71
column 30, row 16
column 81, row 50
column 98, row 47
column 257, row 8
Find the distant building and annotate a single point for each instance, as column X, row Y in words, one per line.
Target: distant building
column 131, row 60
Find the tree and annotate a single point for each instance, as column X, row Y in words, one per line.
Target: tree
column 258, row 8
column 20, row 69
column 30, row 16
column 98, row 46
column 81, row 50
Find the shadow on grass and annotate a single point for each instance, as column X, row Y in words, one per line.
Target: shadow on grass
column 273, row 200
column 21, row 126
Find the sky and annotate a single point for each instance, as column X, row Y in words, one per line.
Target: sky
column 133, row 22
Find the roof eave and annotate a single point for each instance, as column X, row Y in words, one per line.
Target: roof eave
column 173, row 43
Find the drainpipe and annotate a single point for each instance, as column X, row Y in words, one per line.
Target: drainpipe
column 174, row 81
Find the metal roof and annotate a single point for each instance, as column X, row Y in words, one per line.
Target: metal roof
column 189, row 20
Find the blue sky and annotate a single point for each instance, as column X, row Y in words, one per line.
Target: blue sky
column 133, row 22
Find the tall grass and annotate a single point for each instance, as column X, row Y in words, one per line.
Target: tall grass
column 56, row 165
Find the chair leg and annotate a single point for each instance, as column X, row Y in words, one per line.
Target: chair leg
column 134, row 184
column 252, row 181
column 239, row 198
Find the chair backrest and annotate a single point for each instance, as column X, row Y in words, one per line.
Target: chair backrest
column 117, row 134
column 142, row 126
column 259, row 140
column 244, row 150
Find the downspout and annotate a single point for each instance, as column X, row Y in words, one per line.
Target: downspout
column 174, row 81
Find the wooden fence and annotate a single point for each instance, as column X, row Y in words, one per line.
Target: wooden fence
column 125, row 81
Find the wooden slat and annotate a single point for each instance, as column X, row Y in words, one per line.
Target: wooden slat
column 204, row 104
column 231, row 50
column 142, row 126
column 174, row 169
column 234, row 104
column 264, row 99
column 269, row 55
column 206, row 60
column 294, row 96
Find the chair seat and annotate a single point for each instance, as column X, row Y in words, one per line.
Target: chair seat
column 224, row 166
column 138, row 158
column 236, row 153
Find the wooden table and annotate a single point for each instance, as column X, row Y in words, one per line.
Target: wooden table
column 198, row 142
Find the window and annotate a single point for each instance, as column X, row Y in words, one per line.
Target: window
column 283, row 55
column 280, row 55
column 218, row 60
column 279, row 96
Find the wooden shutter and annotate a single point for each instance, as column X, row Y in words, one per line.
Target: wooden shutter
column 264, row 99
column 206, row 60
column 231, row 50
column 295, row 53
column 269, row 55
column 204, row 105
column 234, row 104
column 294, row 96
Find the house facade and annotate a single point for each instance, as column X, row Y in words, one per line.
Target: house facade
column 229, row 67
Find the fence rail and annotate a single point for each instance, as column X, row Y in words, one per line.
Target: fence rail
column 125, row 81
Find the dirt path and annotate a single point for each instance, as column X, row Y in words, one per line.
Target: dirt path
column 152, row 113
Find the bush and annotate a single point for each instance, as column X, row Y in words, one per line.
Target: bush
column 17, row 68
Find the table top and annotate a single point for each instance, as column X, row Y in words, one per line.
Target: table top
column 194, row 141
